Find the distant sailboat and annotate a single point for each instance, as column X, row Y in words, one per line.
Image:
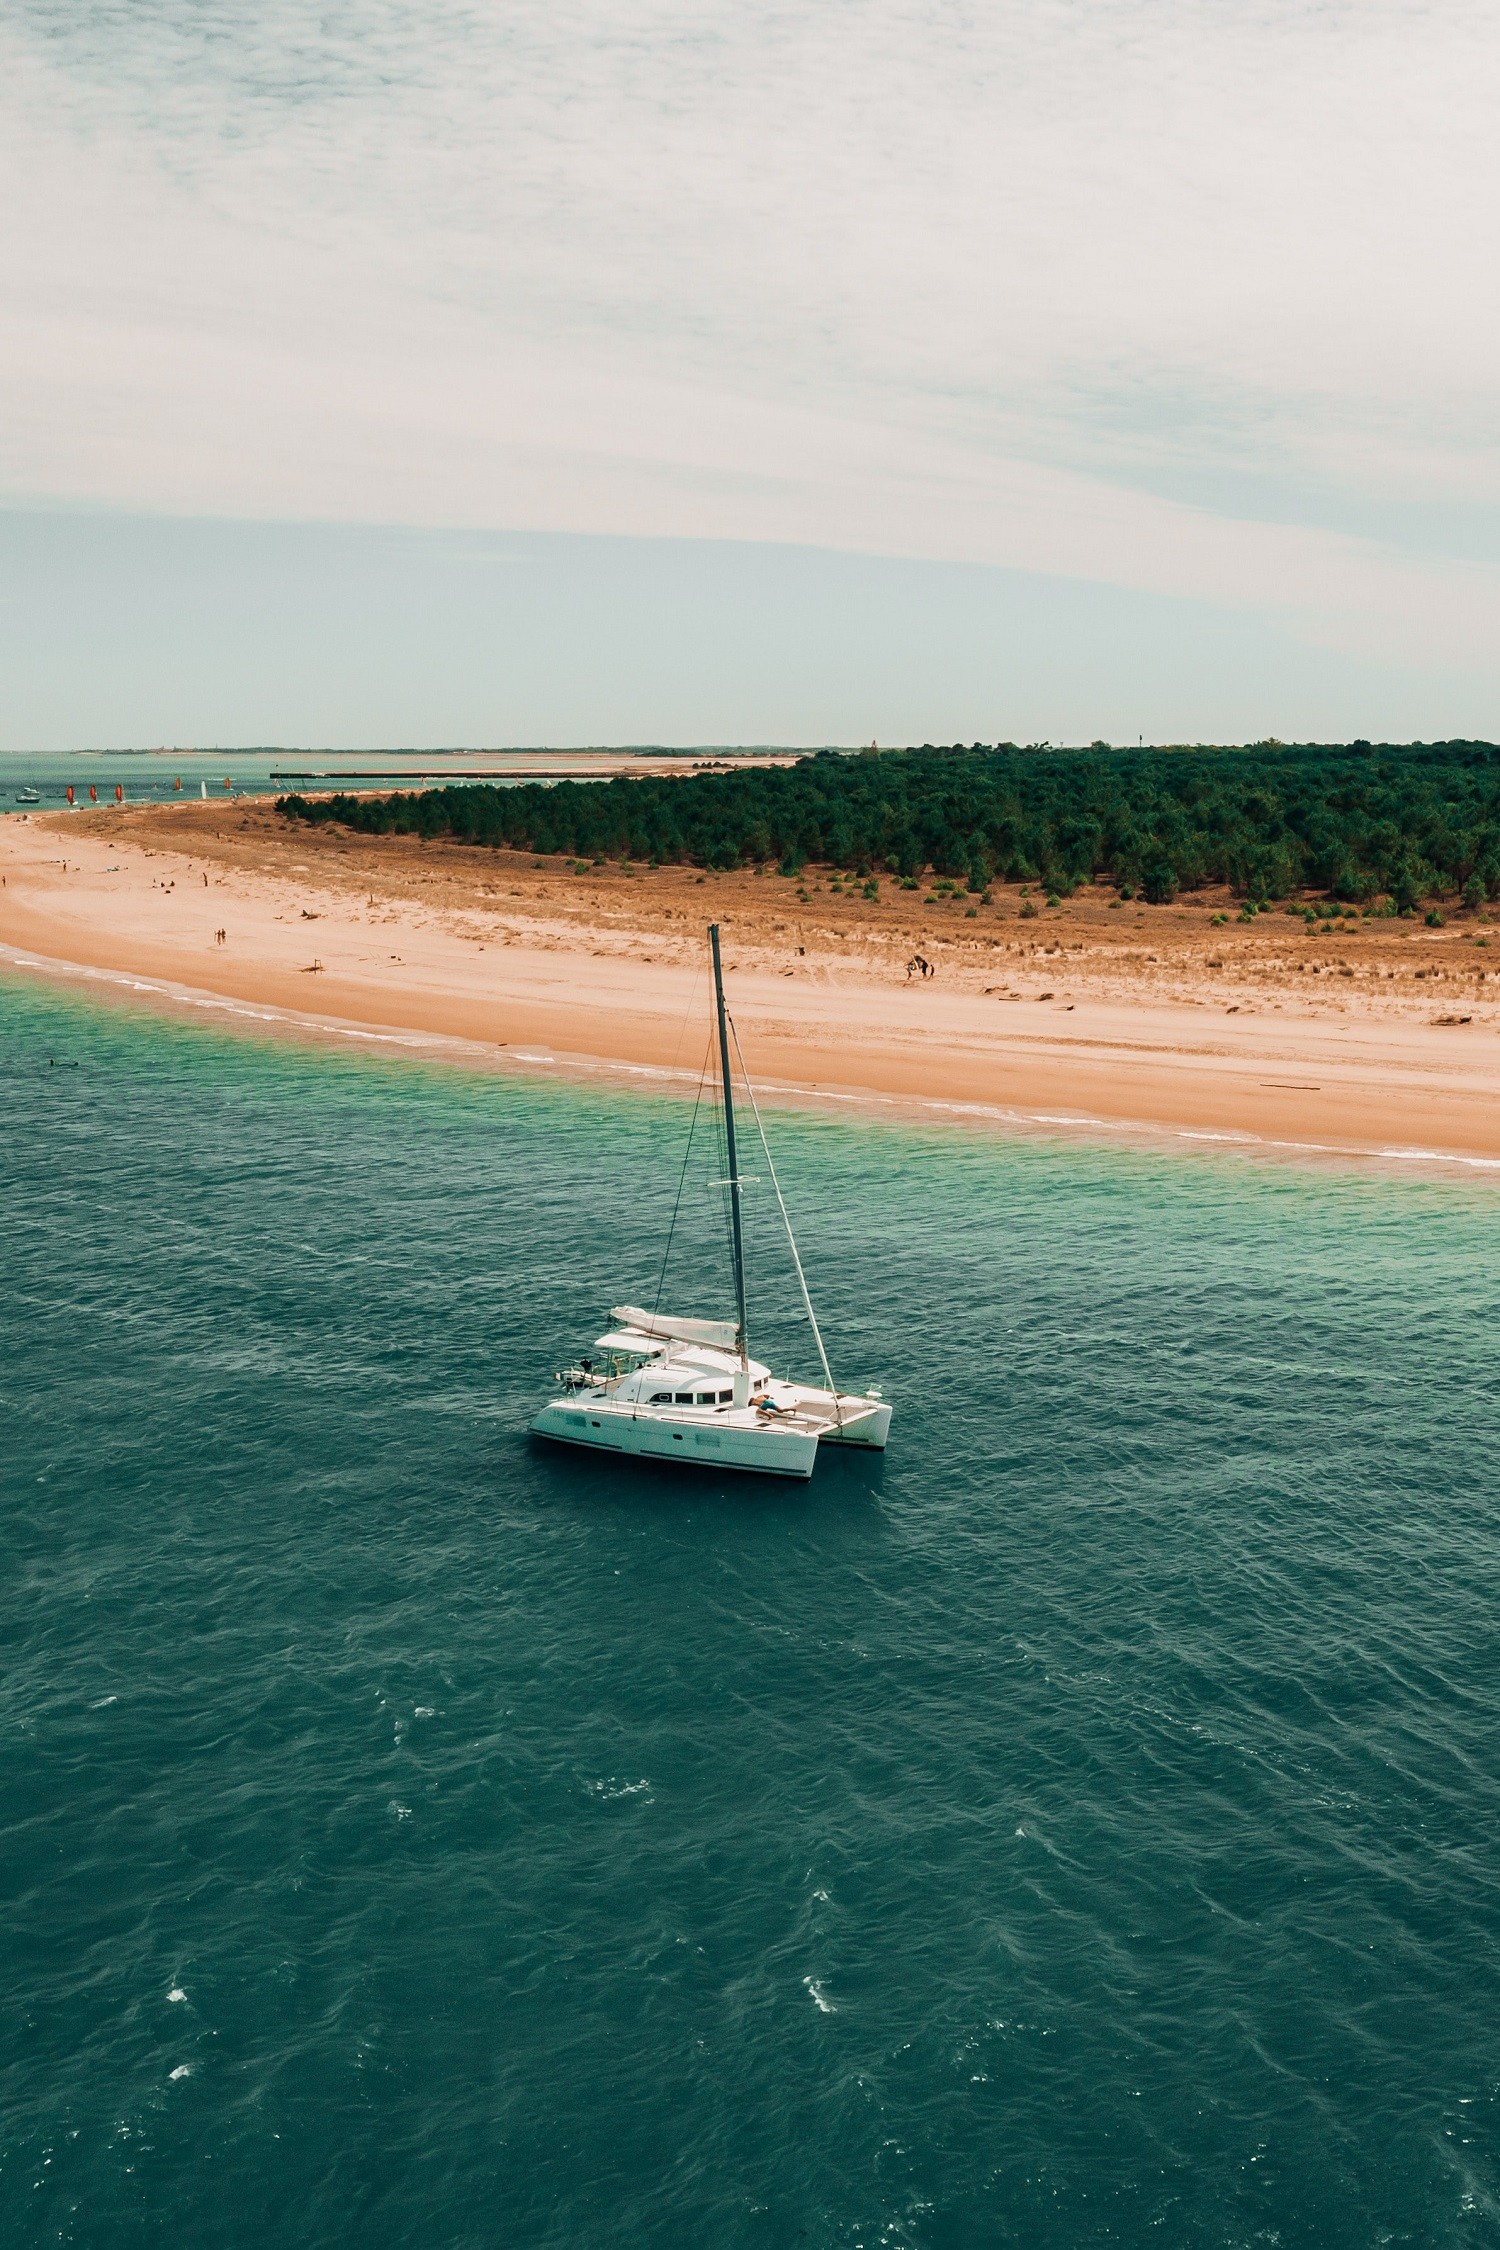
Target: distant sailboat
column 686, row 1389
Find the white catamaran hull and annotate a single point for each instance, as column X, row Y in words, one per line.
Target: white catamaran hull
column 862, row 1424
column 763, row 1448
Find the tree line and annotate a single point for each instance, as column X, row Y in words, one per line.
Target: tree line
column 1357, row 820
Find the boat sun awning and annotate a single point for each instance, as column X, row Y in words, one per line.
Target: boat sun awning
column 666, row 1328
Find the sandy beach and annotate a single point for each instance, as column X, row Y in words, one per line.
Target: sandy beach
column 1380, row 1035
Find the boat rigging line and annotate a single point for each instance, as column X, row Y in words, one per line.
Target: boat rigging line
column 786, row 1222
column 730, row 1150
column 687, row 1155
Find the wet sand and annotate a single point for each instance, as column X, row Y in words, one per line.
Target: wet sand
column 1378, row 1035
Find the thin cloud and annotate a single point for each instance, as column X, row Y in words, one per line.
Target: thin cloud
column 1197, row 301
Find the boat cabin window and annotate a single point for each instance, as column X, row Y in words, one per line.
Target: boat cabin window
column 683, row 1398
column 726, row 1398
column 661, row 1398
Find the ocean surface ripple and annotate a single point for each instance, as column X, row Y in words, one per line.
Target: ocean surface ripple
column 1081, row 1827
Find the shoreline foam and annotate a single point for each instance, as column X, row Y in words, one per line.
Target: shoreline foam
column 186, row 1003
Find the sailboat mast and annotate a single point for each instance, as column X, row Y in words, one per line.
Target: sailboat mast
column 730, row 1150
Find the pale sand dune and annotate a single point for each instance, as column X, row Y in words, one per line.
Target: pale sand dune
column 1138, row 1017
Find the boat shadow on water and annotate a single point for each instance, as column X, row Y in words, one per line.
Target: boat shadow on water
column 573, row 1475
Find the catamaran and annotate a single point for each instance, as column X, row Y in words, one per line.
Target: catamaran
column 667, row 1388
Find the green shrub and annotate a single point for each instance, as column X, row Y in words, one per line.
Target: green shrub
column 1410, row 822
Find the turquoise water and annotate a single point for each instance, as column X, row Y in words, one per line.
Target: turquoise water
column 147, row 777
column 153, row 777
column 1079, row 1828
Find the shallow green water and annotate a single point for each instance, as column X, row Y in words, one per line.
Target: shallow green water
column 1081, row 1827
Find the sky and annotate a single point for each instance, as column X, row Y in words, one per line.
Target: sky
column 876, row 369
